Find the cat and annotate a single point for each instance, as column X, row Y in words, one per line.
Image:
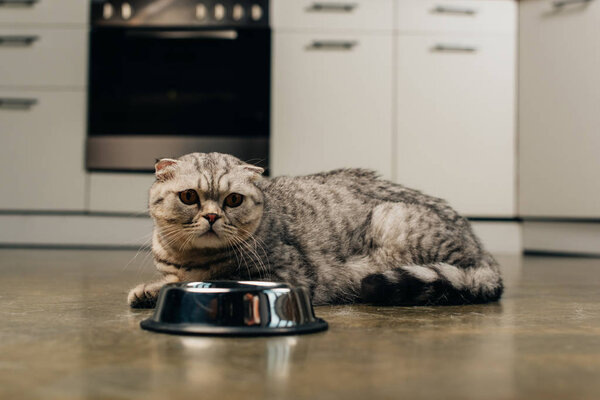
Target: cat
column 346, row 235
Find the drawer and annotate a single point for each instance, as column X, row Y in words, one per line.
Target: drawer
column 455, row 119
column 332, row 14
column 497, row 16
column 332, row 102
column 41, row 156
column 43, row 57
column 44, row 12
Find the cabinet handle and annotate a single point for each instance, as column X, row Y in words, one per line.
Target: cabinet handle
column 332, row 45
column 453, row 47
column 17, row 103
column 563, row 3
column 17, row 40
column 332, row 7
column 454, row 10
column 17, row 2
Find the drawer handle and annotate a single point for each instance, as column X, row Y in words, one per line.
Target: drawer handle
column 454, row 10
column 454, row 47
column 17, row 2
column 332, row 7
column 332, row 45
column 17, row 40
column 563, row 3
column 17, row 103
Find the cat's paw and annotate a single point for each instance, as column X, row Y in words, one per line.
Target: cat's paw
column 142, row 296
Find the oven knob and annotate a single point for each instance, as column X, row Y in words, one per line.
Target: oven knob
column 256, row 12
column 107, row 11
column 200, row 11
column 238, row 12
column 219, row 11
column 126, row 10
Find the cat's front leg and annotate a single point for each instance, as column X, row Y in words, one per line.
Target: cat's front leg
column 145, row 294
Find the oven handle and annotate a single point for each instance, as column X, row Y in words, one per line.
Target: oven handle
column 214, row 34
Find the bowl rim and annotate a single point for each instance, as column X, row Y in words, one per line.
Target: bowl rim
column 227, row 286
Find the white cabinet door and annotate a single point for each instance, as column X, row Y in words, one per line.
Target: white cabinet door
column 43, row 57
column 559, row 109
column 459, row 16
column 456, row 120
column 41, row 150
column 45, row 12
column 332, row 102
column 355, row 15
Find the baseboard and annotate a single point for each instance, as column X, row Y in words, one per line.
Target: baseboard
column 562, row 237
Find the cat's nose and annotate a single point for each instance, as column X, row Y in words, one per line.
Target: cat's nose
column 211, row 217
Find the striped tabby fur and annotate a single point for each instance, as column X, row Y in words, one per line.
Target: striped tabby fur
column 346, row 234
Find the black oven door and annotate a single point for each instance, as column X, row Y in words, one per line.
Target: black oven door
column 164, row 92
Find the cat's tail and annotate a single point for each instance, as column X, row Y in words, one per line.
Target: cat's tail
column 434, row 284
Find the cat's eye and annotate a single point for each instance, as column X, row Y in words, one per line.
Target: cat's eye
column 188, row 197
column 234, row 200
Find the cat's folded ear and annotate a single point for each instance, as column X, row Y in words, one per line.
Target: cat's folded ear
column 164, row 168
column 256, row 171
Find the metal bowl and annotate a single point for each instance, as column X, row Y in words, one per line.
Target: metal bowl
column 235, row 308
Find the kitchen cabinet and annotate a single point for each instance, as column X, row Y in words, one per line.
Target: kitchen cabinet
column 332, row 86
column 456, row 16
column 43, row 57
column 559, row 111
column 455, row 103
column 332, row 102
column 43, row 49
column 41, row 157
column 353, row 15
column 45, row 12
column 455, row 120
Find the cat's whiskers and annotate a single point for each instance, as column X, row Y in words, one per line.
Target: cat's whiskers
column 259, row 242
column 230, row 246
column 255, row 250
column 235, row 242
column 171, row 236
column 142, row 247
column 242, row 245
column 255, row 258
column 262, row 271
column 187, row 238
column 261, row 266
column 231, row 240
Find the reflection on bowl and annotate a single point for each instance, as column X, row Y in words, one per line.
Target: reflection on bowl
column 241, row 308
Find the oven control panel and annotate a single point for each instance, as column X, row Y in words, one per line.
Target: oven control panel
column 180, row 13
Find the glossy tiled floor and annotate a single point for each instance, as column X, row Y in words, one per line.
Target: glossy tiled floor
column 66, row 333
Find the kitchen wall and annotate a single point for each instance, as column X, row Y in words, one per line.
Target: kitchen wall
column 424, row 92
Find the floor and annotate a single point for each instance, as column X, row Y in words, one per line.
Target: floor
column 67, row 333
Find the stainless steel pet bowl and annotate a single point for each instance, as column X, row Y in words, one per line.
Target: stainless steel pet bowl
column 233, row 308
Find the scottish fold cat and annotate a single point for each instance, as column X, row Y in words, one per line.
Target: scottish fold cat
column 347, row 235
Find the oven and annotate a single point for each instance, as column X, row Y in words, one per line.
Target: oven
column 169, row 77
